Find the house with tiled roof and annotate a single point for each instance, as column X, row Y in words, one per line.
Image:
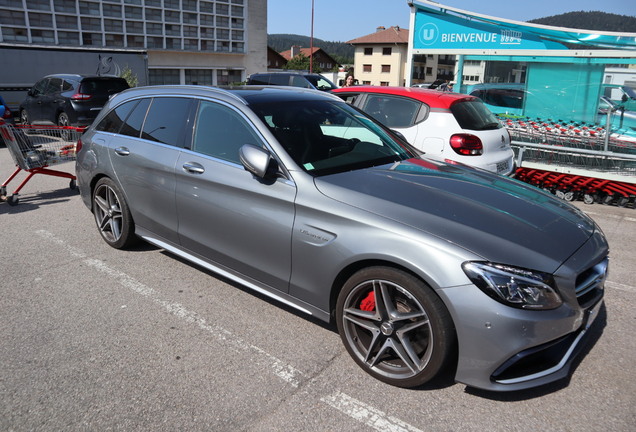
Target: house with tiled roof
column 380, row 58
column 321, row 59
column 274, row 59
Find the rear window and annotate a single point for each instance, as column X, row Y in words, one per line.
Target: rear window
column 101, row 86
column 474, row 115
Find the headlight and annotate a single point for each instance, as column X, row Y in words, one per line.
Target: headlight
column 512, row 286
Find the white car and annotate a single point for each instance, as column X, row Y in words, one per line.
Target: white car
column 446, row 125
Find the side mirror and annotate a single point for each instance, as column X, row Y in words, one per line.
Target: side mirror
column 258, row 161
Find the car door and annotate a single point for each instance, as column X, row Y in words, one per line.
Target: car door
column 33, row 103
column 49, row 101
column 144, row 154
column 225, row 214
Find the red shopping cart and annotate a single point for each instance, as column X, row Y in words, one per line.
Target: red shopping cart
column 34, row 148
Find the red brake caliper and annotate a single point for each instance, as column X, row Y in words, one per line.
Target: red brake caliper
column 368, row 303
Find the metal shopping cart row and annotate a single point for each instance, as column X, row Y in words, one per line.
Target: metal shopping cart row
column 575, row 161
column 35, row 148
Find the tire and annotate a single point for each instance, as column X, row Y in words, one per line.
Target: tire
column 24, row 117
column 405, row 339
column 13, row 200
column 63, row 121
column 72, row 184
column 112, row 216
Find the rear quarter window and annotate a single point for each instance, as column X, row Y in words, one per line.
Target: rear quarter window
column 115, row 119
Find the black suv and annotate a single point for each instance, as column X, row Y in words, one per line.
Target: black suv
column 69, row 100
column 295, row 79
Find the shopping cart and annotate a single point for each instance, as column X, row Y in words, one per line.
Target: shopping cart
column 34, row 148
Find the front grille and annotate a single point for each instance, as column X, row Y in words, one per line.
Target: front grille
column 590, row 284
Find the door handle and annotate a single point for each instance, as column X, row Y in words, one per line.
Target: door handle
column 122, row 151
column 193, row 167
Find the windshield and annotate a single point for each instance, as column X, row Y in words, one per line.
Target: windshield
column 474, row 115
column 326, row 137
column 320, row 82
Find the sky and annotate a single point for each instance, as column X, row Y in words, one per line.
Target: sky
column 343, row 20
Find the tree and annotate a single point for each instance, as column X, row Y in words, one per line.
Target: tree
column 129, row 76
column 300, row 62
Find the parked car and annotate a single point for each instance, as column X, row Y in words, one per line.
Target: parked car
column 621, row 95
column 421, row 264
column 294, row 79
column 68, row 100
column 506, row 98
column 448, row 125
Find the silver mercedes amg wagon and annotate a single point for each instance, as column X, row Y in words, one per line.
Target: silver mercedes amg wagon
column 426, row 267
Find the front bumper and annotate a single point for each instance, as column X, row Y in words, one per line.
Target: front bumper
column 506, row 349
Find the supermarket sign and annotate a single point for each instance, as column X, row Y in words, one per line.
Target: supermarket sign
column 450, row 32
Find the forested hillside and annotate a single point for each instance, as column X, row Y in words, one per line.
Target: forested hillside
column 591, row 21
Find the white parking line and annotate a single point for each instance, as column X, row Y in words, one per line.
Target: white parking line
column 284, row 371
column 354, row 408
column 620, row 286
column 366, row 414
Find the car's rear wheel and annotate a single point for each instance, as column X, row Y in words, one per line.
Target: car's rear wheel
column 63, row 120
column 395, row 327
column 112, row 215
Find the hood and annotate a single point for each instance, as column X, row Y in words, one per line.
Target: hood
column 500, row 219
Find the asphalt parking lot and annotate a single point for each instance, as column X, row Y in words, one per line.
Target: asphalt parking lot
column 99, row 339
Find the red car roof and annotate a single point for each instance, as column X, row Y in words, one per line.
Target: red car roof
column 433, row 98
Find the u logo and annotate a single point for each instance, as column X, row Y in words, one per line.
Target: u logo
column 428, row 34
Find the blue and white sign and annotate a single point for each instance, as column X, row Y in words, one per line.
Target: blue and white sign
column 451, row 32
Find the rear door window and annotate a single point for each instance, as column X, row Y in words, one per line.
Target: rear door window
column 392, row 111
column 166, row 120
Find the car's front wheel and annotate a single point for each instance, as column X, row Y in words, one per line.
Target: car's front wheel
column 395, row 327
column 112, row 215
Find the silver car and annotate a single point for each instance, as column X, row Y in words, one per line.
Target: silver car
column 426, row 268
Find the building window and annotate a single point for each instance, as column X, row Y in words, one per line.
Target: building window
column 91, row 39
column 387, row 51
column 113, row 25
column 227, row 77
column 384, row 83
column 163, row 76
column 68, row 38
column 386, row 68
column 368, row 51
column 366, row 68
column 198, row 76
column 87, row 8
column 41, row 36
column 11, row 34
column 429, row 71
column 40, row 20
column 66, row 22
column 154, row 42
column 366, row 82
